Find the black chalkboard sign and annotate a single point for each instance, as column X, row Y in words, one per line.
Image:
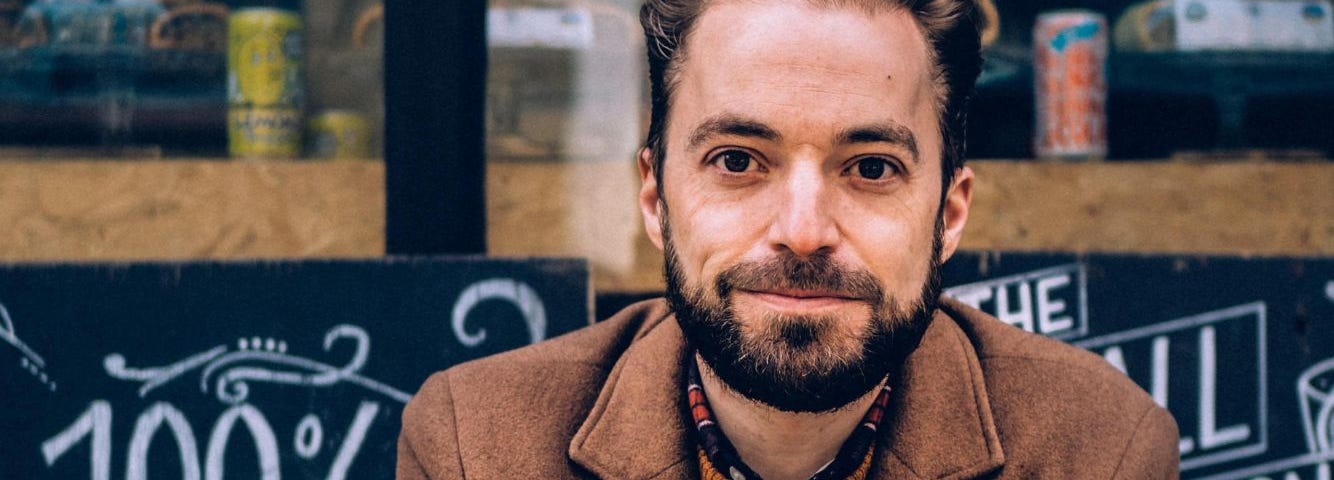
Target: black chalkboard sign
column 255, row 370
column 1240, row 350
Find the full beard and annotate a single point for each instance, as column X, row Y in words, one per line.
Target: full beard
column 802, row 363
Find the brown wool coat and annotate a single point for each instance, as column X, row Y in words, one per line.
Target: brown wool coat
column 980, row 399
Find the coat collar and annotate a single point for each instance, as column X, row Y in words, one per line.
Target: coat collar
column 939, row 423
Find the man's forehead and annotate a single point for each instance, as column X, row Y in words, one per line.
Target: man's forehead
column 839, row 65
column 806, row 35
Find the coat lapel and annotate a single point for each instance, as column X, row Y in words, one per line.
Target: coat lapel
column 939, row 423
column 637, row 428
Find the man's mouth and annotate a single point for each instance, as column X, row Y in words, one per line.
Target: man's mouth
column 801, row 300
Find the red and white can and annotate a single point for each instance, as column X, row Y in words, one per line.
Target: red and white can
column 1070, row 84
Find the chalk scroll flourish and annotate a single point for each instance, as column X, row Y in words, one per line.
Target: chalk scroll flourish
column 230, row 372
column 508, row 289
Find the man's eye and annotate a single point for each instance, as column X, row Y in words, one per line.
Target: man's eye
column 874, row 168
column 736, row 161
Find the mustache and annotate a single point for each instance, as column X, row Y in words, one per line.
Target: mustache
column 818, row 272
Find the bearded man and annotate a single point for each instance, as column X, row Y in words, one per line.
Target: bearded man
column 804, row 176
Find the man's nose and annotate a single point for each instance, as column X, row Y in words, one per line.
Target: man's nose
column 804, row 223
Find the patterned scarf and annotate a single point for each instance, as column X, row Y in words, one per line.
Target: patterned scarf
column 717, row 455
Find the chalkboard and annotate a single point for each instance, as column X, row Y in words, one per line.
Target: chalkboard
column 256, row 370
column 1240, row 350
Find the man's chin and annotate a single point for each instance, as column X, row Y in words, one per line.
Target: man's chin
column 790, row 389
column 799, row 346
column 793, row 363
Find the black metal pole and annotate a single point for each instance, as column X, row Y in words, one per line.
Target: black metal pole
column 435, row 100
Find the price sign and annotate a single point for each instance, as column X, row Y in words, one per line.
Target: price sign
column 249, row 369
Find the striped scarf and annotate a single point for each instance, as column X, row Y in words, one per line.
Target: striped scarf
column 717, row 455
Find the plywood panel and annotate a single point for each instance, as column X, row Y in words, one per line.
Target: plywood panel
column 1245, row 208
column 587, row 209
column 123, row 210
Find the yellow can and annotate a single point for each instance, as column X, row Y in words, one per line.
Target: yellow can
column 340, row 134
column 264, row 83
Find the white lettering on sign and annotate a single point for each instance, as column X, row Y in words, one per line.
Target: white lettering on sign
column 136, row 468
column 95, row 422
column 1051, row 301
column 1210, row 435
column 229, row 373
column 309, row 437
column 266, row 443
column 1158, row 353
column 1050, row 310
column 235, row 373
column 352, row 444
column 1315, row 397
column 506, row 289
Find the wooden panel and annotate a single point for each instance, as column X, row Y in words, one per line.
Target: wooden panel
column 122, row 210
column 586, row 208
column 1247, row 208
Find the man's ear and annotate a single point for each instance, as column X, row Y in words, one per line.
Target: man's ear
column 955, row 211
column 650, row 203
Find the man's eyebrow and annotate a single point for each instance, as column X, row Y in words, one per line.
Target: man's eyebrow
column 733, row 125
column 886, row 132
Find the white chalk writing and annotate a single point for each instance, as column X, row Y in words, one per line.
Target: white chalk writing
column 1052, row 301
column 513, row 291
column 229, row 373
column 233, row 370
column 31, row 361
column 1315, row 394
column 95, row 423
column 1229, row 423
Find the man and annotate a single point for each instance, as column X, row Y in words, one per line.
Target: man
column 803, row 175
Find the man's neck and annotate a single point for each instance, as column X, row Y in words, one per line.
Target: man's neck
column 780, row 445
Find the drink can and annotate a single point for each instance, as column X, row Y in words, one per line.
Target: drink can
column 340, row 134
column 264, row 83
column 1070, row 84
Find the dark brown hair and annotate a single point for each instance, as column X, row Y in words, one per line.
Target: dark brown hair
column 950, row 27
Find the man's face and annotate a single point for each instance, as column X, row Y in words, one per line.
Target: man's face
column 801, row 203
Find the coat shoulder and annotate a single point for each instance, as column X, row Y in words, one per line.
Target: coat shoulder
column 1050, row 399
column 519, row 408
column 1041, row 359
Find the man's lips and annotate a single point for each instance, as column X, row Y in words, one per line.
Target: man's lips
column 794, row 299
